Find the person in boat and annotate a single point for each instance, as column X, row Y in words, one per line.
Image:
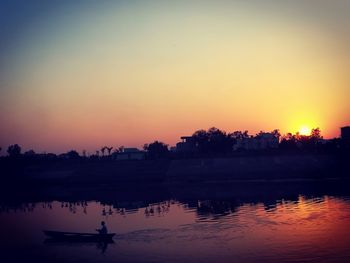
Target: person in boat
column 103, row 229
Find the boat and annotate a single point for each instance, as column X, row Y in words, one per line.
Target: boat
column 79, row 237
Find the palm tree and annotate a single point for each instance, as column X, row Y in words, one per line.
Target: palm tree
column 109, row 149
column 103, row 149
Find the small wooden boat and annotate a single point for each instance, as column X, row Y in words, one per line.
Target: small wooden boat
column 79, row 237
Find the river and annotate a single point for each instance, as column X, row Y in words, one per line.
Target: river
column 305, row 229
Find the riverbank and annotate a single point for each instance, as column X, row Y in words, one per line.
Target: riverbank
column 258, row 168
column 133, row 196
column 246, row 178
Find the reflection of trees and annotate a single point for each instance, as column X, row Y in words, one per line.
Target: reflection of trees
column 25, row 207
column 73, row 207
column 205, row 209
column 215, row 208
column 158, row 209
column 209, row 209
column 109, row 211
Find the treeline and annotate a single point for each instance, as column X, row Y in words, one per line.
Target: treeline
column 216, row 142
column 209, row 142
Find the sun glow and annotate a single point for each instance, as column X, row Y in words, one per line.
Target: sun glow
column 115, row 73
column 304, row 130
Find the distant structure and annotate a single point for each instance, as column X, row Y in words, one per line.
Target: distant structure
column 130, row 154
column 345, row 134
column 262, row 141
column 187, row 145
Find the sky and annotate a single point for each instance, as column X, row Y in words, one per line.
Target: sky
column 84, row 74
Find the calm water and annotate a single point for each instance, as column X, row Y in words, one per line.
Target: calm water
column 302, row 230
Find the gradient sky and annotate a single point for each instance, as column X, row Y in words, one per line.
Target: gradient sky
column 83, row 74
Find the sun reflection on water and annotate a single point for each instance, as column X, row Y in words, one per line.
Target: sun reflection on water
column 301, row 229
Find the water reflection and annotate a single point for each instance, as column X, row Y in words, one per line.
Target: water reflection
column 302, row 229
column 212, row 208
column 205, row 209
column 100, row 246
column 158, row 209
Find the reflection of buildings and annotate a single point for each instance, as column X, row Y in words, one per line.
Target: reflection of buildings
column 261, row 141
column 345, row 133
column 130, row 154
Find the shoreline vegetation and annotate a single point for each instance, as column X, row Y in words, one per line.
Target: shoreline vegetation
column 240, row 168
column 207, row 159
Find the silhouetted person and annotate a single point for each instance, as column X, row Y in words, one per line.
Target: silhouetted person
column 103, row 229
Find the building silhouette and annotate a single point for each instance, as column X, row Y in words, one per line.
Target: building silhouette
column 345, row 133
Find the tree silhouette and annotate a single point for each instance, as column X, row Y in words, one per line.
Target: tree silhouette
column 238, row 136
column 29, row 153
column 312, row 142
column 201, row 139
column 72, row 154
column 276, row 133
column 213, row 141
column 316, row 134
column 156, row 150
column 219, row 142
column 289, row 141
column 103, row 149
column 109, row 149
column 302, row 142
column 245, row 134
column 14, row 150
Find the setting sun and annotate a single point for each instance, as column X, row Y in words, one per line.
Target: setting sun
column 139, row 68
column 304, row 130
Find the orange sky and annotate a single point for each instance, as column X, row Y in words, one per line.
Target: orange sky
column 133, row 73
